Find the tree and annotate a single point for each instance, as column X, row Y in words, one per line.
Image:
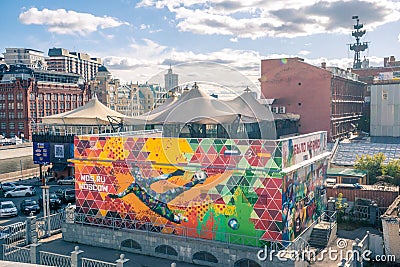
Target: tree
column 392, row 169
column 341, row 207
column 372, row 164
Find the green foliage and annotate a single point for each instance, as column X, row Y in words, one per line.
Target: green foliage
column 371, row 164
column 341, row 206
column 392, row 169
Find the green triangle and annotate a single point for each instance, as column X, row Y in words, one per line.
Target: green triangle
column 206, row 144
column 271, row 164
column 243, row 163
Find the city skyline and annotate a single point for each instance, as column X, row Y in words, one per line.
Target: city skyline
column 138, row 40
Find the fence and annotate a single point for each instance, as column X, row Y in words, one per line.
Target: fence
column 52, row 259
column 95, row 263
column 32, row 254
column 15, row 253
column 14, row 234
column 56, row 221
column 184, row 232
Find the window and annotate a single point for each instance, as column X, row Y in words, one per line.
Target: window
column 11, row 125
column 48, row 96
column 2, row 105
column 165, row 249
column 10, row 105
column 2, row 97
column 10, row 96
column 32, row 96
column 20, row 115
column 205, row 256
column 129, row 243
column 20, row 125
column 11, row 115
column 3, row 125
column 20, row 105
column 19, row 96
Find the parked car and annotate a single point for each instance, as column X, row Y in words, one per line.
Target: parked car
column 8, row 209
column 7, row 186
column 29, row 205
column 66, row 196
column 66, row 180
column 21, row 191
column 55, row 201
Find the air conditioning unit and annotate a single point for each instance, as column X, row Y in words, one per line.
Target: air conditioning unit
column 282, row 110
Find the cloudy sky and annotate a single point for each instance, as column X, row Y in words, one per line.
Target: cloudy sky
column 137, row 40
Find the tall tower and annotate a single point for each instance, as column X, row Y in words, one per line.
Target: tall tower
column 171, row 80
column 357, row 47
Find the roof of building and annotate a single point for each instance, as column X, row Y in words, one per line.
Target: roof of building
column 92, row 113
column 346, row 172
column 393, row 210
column 347, row 153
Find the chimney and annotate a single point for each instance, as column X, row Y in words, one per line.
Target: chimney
column 323, row 65
column 392, row 59
column 385, row 62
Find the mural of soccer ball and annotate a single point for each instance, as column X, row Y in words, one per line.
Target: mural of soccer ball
column 233, row 223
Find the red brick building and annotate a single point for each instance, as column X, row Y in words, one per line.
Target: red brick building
column 328, row 99
column 28, row 94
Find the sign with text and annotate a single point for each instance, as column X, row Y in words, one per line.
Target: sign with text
column 41, row 153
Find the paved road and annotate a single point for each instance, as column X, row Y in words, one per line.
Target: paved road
column 17, row 200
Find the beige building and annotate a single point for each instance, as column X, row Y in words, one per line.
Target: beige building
column 63, row 60
column 129, row 99
column 24, row 56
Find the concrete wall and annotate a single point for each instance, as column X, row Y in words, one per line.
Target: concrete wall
column 391, row 237
column 226, row 254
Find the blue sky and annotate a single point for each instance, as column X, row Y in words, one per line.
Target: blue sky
column 139, row 39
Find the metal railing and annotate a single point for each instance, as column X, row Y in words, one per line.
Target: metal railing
column 56, row 221
column 14, row 234
column 17, row 254
column 95, row 263
column 179, row 231
column 53, row 259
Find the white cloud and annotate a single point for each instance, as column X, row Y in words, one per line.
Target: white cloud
column 256, row 18
column 144, row 26
column 304, row 52
column 63, row 21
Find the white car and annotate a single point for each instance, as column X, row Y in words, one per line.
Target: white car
column 21, row 191
column 7, row 186
column 8, row 209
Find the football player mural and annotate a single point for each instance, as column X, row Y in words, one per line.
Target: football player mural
column 215, row 189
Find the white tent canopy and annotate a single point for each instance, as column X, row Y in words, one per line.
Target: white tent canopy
column 195, row 106
column 92, row 113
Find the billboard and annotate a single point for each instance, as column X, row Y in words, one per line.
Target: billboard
column 41, row 153
column 218, row 189
column 60, row 152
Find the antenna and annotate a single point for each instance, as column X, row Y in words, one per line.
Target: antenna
column 358, row 47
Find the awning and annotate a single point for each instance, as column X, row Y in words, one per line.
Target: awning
column 59, row 167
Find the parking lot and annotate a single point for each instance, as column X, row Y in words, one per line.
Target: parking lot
column 17, row 200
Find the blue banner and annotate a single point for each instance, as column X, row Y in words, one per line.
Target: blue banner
column 41, row 153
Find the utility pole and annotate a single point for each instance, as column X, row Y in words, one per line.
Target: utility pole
column 46, row 205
